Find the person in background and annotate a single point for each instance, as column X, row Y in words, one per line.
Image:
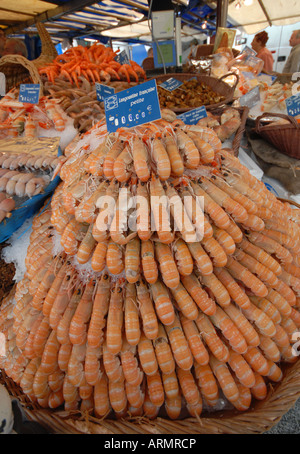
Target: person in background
column 293, row 62
column 2, row 41
column 259, row 45
column 15, row 46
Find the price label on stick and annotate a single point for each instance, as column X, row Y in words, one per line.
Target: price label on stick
column 122, row 58
column 193, row 116
column 171, row 84
column 293, row 105
column 29, row 93
column 132, row 107
column 103, row 91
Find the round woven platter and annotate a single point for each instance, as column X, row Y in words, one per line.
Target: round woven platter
column 258, row 419
column 217, row 85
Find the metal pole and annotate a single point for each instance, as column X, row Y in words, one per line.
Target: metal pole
column 222, row 10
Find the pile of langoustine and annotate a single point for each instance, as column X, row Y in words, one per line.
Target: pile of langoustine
column 139, row 322
column 18, row 118
column 95, row 63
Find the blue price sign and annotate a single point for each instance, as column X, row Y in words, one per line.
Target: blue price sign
column 132, row 107
column 193, row 116
column 171, row 84
column 122, row 58
column 103, row 91
column 29, row 93
column 293, row 105
column 251, row 98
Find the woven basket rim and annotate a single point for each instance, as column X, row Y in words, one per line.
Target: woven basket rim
column 261, row 416
column 211, row 81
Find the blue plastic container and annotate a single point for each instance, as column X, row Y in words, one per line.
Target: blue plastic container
column 28, row 208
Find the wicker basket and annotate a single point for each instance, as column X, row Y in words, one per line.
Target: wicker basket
column 258, row 419
column 261, row 416
column 48, row 52
column 218, row 85
column 204, row 50
column 243, row 111
column 286, row 138
column 19, row 70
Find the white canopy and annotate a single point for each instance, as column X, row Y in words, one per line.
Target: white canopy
column 263, row 13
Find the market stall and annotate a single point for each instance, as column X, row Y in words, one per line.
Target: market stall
column 155, row 287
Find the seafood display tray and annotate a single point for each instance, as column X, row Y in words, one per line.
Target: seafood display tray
column 27, row 209
column 218, row 85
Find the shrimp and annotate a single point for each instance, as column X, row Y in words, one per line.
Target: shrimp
column 257, row 361
column 269, row 348
column 114, row 258
column 87, row 246
column 212, row 340
column 267, row 307
column 194, row 339
column 62, row 299
column 148, row 315
column 140, row 158
column 261, row 320
column 208, row 135
column 155, row 389
column 225, row 379
column 243, row 200
column 163, row 352
column 185, row 303
column 207, row 383
column 225, row 240
column 163, row 304
column 201, row 258
column 188, row 386
column 123, row 165
column 132, row 260
column 191, row 157
column 241, row 368
column 260, row 255
column 95, row 335
column 243, row 324
column 167, row 265
column 131, row 316
column 160, row 156
column 232, row 207
column 232, row 287
column 50, row 354
column 238, row 271
column 115, row 320
column 183, row 257
column 143, row 212
column 206, row 151
column 215, row 251
column 223, row 322
column 159, row 208
column 212, row 208
column 179, row 345
column 148, row 262
column 265, row 274
column 259, row 390
column 81, row 317
column 132, row 373
column 177, row 166
column 182, row 221
column 217, row 288
column 147, row 356
column 99, row 256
